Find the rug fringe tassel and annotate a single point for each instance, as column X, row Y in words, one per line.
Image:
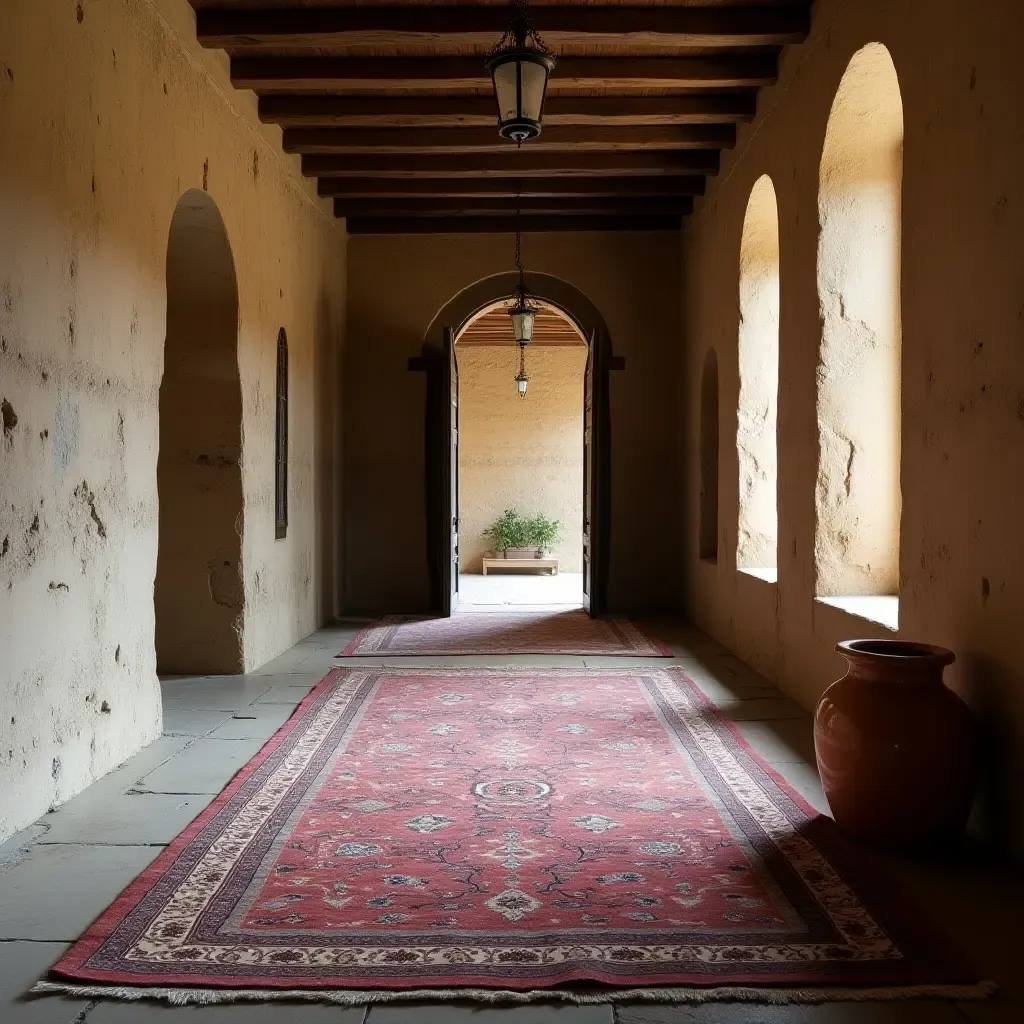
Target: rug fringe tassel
column 346, row 997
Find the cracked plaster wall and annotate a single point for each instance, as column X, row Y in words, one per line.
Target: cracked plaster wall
column 962, row 292
column 109, row 112
column 524, row 453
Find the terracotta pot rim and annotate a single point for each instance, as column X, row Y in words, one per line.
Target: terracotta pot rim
column 897, row 651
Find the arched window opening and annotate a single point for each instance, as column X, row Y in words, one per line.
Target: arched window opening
column 708, row 545
column 281, row 439
column 858, row 496
column 758, row 526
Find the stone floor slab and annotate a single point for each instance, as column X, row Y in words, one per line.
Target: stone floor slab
column 136, row 819
column 238, row 1013
column 56, row 892
column 762, row 709
column 259, row 721
column 908, row 1011
column 22, row 964
column 207, row 766
column 449, row 1013
column 783, row 740
column 181, row 722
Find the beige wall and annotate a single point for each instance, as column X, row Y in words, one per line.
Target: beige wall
column 961, row 559
column 396, row 286
column 524, row 453
column 104, row 123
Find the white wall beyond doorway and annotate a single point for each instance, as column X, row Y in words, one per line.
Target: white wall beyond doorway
column 521, row 589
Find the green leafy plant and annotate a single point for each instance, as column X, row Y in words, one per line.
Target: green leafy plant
column 509, row 530
column 514, row 530
column 543, row 532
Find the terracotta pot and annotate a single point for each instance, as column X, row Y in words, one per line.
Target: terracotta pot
column 896, row 748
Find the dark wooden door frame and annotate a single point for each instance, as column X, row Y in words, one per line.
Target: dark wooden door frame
column 437, row 362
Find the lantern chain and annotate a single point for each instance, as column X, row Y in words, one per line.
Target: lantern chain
column 521, row 29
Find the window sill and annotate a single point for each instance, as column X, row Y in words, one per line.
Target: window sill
column 768, row 575
column 881, row 609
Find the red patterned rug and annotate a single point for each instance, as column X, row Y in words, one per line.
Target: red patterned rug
column 564, row 632
column 540, row 833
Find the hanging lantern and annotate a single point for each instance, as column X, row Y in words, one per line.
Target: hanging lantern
column 520, row 378
column 519, row 65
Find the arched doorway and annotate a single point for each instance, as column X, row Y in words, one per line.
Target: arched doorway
column 442, row 431
column 198, row 594
column 520, row 453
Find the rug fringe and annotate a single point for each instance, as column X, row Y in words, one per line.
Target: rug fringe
column 351, row 997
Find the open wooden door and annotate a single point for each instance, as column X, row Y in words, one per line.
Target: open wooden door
column 450, row 576
column 596, row 477
column 588, row 449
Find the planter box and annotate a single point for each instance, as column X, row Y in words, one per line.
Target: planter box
column 520, row 553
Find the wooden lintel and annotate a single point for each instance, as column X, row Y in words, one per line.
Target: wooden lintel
column 382, row 74
column 512, row 165
column 311, row 110
column 393, row 26
column 497, row 225
column 470, row 206
column 579, row 138
column 382, row 188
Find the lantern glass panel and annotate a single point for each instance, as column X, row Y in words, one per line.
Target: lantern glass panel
column 522, row 325
column 506, row 90
column 535, row 80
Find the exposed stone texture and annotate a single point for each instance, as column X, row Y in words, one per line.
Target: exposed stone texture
column 524, row 453
column 962, row 393
column 95, row 152
column 759, row 380
column 397, row 286
column 858, row 490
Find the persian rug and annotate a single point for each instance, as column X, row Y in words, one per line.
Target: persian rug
column 564, row 632
column 588, row 835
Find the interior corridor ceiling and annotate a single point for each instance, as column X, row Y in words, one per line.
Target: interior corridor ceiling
column 391, row 108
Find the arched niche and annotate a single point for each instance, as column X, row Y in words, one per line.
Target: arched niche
column 708, row 526
column 758, row 351
column 858, row 402
column 198, row 594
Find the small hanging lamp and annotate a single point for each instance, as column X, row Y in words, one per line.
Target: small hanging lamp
column 523, row 312
column 520, row 64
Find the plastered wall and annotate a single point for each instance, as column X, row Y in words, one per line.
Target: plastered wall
column 961, row 578
column 109, row 112
column 396, row 287
column 523, row 453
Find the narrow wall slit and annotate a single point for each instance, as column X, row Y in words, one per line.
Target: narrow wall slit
column 198, row 593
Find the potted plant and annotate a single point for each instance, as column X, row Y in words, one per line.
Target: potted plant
column 516, row 536
column 543, row 532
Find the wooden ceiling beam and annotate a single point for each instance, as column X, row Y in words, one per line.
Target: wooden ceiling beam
column 475, row 206
column 492, row 225
column 337, row 74
column 394, row 26
column 514, row 164
column 479, row 111
column 483, row 140
column 350, row 188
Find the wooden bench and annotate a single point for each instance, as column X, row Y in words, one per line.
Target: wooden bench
column 549, row 565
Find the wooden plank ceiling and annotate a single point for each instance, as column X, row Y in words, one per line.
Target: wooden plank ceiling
column 390, row 105
column 492, row 328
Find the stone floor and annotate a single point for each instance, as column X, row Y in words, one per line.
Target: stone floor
column 59, row 874
column 521, row 588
